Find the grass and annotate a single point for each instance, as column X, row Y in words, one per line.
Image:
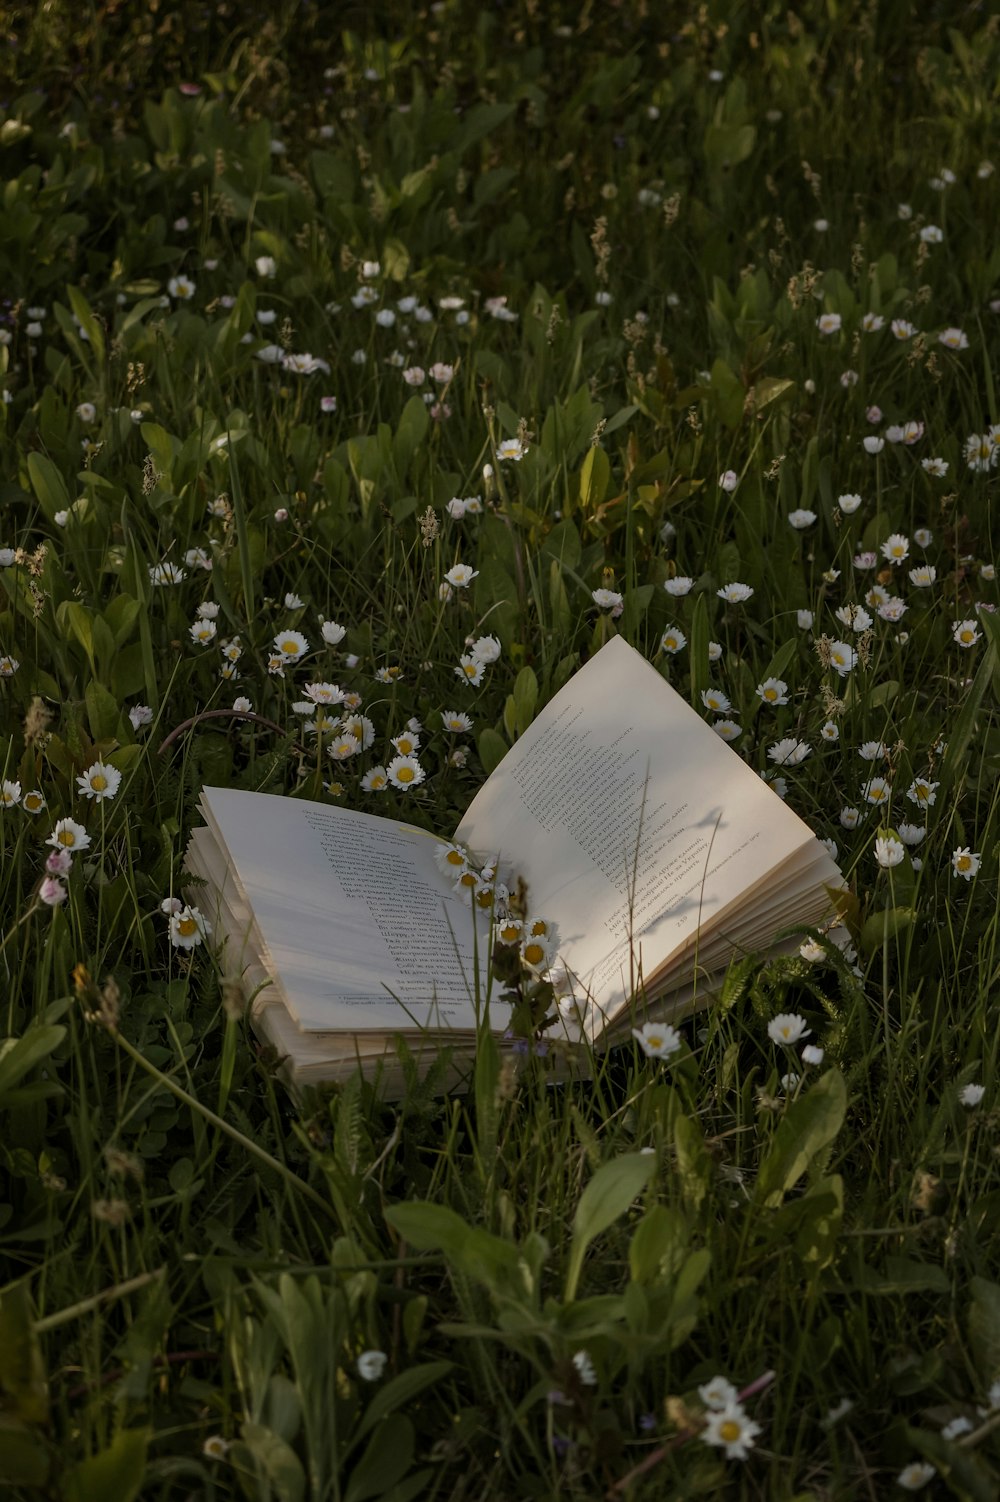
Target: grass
column 195, row 1268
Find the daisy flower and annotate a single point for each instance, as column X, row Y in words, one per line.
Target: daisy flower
column 486, row 649
column 657, row 1040
column 375, row 781
column 965, row 863
column 787, row 1028
column 872, row 322
column 772, row 691
column 181, row 287
column 405, row 772
column 461, row 575
column 456, row 721
column 922, row 792
column 10, row 793
column 902, row 329
column 68, row 835
column 471, row 669
column 731, row 1430
column 673, row 640
column 922, row 578
column 715, row 700
column 33, row 802
column 875, row 791
column 99, row 782
column 970, row 1097
column 679, row 586
column 953, row 339
column 729, row 730
column 935, row 466
column 842, row 657
column 371, row 1365
column 734, row 594
column 888, row 852
column 915, row 1476
column 729, row 480
column 510, row 448
column 607, row 599
column 324, row 693
column 203, row 631
column 537, row 951
column 291, row 645
column 406, row 744
column 789, row 752
column 453, row 859
column 718, row 1394
column 896, row 548
column 332, row 634
column 188, row 928
column 965, row 633
column 828, row 323
column 161, row 574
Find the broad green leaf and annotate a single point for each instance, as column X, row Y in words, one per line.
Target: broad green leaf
column 25, row 1457
column 608, row 1195
column 88, row 322
column 879, row 927
column 984, row 1328
column 116, row 1471
column 811, row 1123
column 492, row 749
column 400, row 1391
column 279, row 1461
column 48, row 485
column 385, row 1462
column 22, row 1368
column 657, row 1244
column 525, row 698
column 103, row 711
column 967, row 1475
column 19, row 1055
column 413, row 425
column 595, row 477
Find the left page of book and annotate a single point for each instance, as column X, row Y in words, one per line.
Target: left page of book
column 352, row 915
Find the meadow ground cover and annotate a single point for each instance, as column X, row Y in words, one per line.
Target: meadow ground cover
column 357, row 384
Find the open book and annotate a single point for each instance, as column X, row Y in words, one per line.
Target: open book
column 653, row 851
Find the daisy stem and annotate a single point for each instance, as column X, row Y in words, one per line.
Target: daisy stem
column 237, row 1136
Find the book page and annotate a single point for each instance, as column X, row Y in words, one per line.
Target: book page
column 632, row 823
column 353, row 914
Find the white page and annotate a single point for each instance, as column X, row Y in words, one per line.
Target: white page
column 351, row 908
column 616, row 758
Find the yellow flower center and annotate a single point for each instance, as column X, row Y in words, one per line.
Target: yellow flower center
column 470, row 670
column 67, row 837
column 963, row 863
column 467, row 879
column 534, row 953
column 186, row 927
column 455, row 858
column 289, row 646
column 405, row 774
column 508, row 932
column 539, row 928
column 485, row 898
column 98, row 782
column 31, row 802
column 729, row 1431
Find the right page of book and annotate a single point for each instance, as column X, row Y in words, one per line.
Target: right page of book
column 634, row 826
